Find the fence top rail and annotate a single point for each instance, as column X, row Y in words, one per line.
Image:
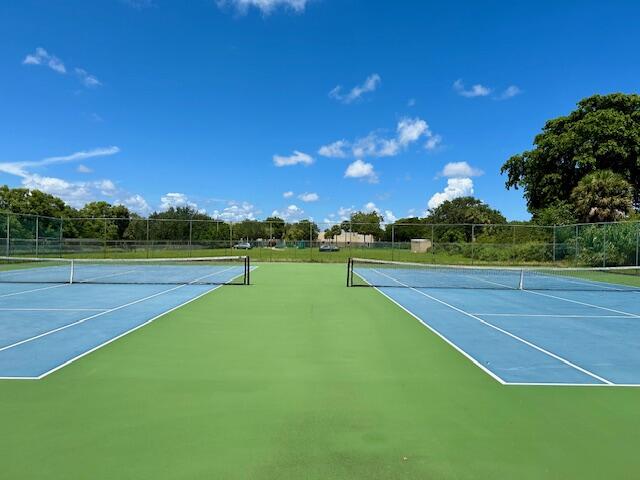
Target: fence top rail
column 321, row 224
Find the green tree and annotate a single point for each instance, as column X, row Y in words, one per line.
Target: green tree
column 559, row 213
column 405, row 229
column 275, row 225
column 365, row 223
column 334, row 231
column 602, row 196
column 302, row 230
column 452, row 215
column 603, row 133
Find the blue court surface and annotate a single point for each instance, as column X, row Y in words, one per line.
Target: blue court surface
column 554, row 336
column 46, row 326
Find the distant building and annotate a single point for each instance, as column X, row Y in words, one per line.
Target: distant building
column 347, row 238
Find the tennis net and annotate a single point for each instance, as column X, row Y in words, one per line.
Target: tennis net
column 380, row 273
column 178, row 271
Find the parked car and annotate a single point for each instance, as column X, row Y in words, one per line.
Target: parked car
column 243, row 246
column 329, row 248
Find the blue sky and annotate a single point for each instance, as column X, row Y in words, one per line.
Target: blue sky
column 307, row 108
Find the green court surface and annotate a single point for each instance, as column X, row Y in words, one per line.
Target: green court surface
column 298, row 377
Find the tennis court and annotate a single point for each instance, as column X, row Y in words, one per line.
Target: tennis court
column 524, row 326
column 55, row 311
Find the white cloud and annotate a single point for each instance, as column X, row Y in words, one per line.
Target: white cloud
column 265, row 6
column 433, row 142
column 87, row 79
column 344, row 213
column 137, row 203
column 83, row 169
column 510, row 92
column 334, row 150
column 290, row 213
column 411, row 102
column 389, row 216
column 475, row 90
column 176, row 200
column 20, row 168
column 370, row 84
column 456, row 187
column 236, row 212
column 362, row 170
column 295, row 159
column 370, row 207
column 408, row 131
column 309, row 197
column 460, row 169
column 288, row 194
column 42, row 57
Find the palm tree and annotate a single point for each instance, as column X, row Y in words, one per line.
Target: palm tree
column 602, row 196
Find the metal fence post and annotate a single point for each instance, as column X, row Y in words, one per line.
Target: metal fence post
column 554, row 244
column 37, row 233
column 433, row 244
column 60, row 247
column 104, row 238
column 637, row 243
column 577, row 246
column 393, row 240
column 147, row 242
column 604, row 246
column 473, row 243
column 190, row 235
column 8, row 235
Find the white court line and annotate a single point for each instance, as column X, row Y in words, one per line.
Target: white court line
column 53, row 309
column 13, row 294
column 547, row 315
column 515, row 337
column 91, row 317
column 68, row 362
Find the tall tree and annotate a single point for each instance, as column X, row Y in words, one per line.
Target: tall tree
column 602, row 196
column 365, row 223
column 603, row 133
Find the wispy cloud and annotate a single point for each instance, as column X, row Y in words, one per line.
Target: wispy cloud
column 87, row 79
column 83, row 169
column 44, row 58
column 460, row 169
column 265, row 6
column 295, row 159
column 376, row 144
column 288, row 194
column 236, row 212
column 309, row 197
column 73, row 193
column 334, row 150
column 362, row 171
column 290, row 213
column 510, row 92
column 476, row 90
column 370, row 84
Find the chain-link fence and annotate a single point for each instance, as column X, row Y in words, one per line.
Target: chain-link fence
column 602, row 244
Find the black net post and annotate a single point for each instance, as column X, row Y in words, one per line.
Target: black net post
column 349, row 266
